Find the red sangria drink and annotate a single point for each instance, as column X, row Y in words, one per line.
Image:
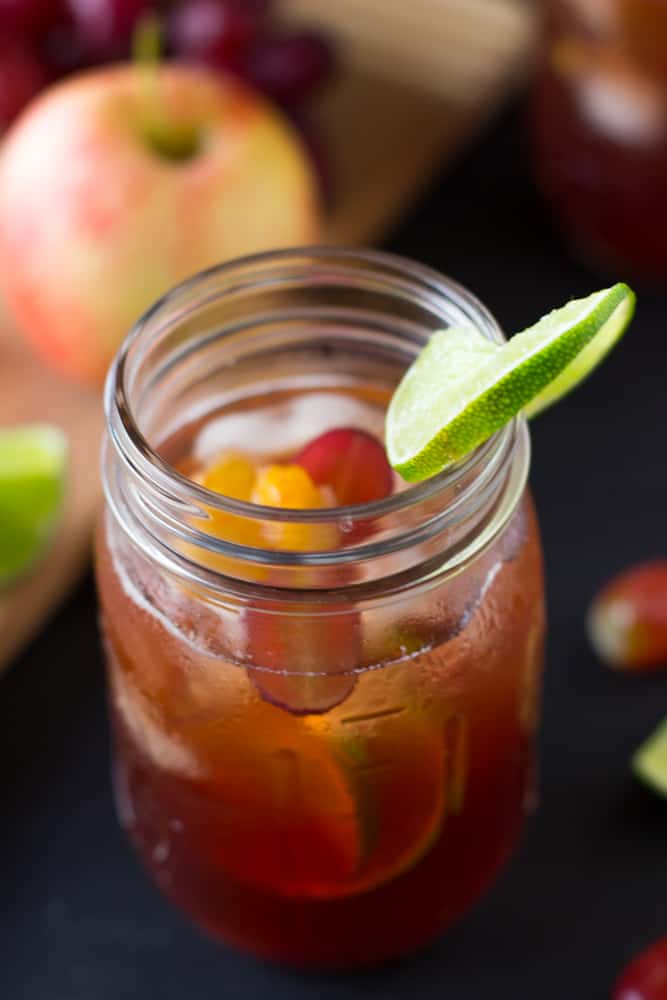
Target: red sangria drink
column 599, row 123
column 324, row 681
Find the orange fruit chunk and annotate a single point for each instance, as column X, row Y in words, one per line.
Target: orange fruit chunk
column 232, row 475
column 290, row 486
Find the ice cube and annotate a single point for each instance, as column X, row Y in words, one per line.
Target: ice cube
column 288, row 426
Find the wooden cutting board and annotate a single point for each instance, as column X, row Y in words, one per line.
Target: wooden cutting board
column 419, row 78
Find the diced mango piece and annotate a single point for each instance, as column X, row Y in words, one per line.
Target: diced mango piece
column 286, row 486
column 232, row 475
column 290, row 486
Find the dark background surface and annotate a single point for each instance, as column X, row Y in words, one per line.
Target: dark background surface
column 78, row 918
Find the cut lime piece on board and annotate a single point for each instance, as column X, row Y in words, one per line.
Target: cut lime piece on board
column 33, row 459
column 462, row 388
column 650, row 761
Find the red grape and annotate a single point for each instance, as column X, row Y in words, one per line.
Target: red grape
column 627, row 621
column 289, row 67
column 105, row 26
column 215, row 31
column 646, row 977
column 308, row 659
column 29, row 17
column 351, row 462
column 22, row 75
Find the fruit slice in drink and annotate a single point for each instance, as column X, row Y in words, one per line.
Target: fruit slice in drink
column 407, row 775
column 284, row 814
column 325, row 811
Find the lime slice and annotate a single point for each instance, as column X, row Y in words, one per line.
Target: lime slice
column 316, row 810
column 650, row 761
column 32, row 468
column 399, row 772
column 462, row 388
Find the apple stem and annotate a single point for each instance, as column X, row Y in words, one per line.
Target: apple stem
column 170, row 138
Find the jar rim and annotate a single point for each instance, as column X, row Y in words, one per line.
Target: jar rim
column 174, row 500
column 138, row 451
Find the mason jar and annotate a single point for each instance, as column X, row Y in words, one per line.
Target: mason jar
column 599, row 130
column 323, row 753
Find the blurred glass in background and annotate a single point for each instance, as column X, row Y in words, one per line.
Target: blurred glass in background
column 599, row 129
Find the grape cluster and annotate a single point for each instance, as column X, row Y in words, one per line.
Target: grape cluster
column 43, row 40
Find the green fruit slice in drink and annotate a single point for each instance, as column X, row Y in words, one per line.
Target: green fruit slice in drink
column 396, row 768
column 316, row 809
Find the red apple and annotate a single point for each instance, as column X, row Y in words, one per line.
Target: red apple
column 101, row 211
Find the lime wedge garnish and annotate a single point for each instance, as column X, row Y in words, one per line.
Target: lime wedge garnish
column 650, row 761
column 32, row 472
column 462, row 388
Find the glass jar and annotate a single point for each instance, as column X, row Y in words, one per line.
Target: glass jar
column 323, row 755
column 599, row 125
